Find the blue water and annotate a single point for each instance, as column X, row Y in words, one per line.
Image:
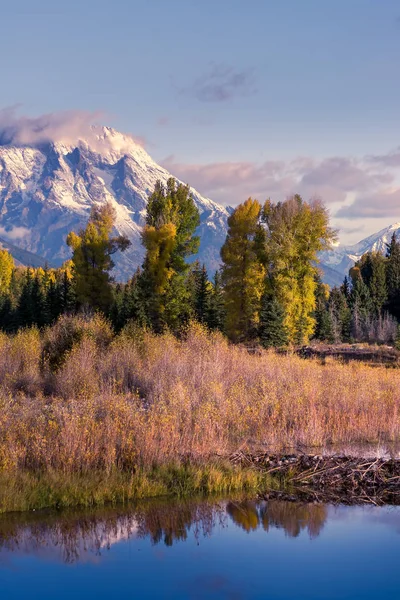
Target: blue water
column 232, row 550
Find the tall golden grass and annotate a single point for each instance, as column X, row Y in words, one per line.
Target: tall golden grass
column 86, row 401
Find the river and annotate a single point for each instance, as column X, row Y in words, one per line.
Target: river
column 216, row 549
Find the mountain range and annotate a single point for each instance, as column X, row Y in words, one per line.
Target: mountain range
column 47, row 190
column 336, row 263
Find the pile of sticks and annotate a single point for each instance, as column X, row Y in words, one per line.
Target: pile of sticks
column 336, row 479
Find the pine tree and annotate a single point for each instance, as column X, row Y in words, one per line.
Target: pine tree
column 340, row 314
column 272, row 330
column 372, row 268
column 361, row 308
column 324, row 329
column 242, row 273
column 6, row 313
column 40, row 316
column 393, row 277
column 201, row 290
column 25, row 316
column 216, row 313
column 345, row 288
column 92, row 263
column 66, row 292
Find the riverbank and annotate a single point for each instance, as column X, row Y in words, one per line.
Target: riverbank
column 330, row 479
column 26, row 491
column 88, row 417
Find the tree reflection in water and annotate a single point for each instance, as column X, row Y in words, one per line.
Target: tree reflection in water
column 76, row 535
column 290, row 516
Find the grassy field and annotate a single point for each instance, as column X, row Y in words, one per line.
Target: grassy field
column 87, row 417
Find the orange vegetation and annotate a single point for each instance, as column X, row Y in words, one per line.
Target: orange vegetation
column 77, row 399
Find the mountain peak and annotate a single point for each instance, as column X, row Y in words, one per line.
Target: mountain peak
column 47, row 189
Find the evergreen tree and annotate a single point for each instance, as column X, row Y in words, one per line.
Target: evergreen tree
column 340, row 315
column 6, row 313
column 128, row 303
column 25, row 316
column 92, row 262
column 272, row 330
column 66, row 292
column 242, row 273
column 53, row 307
column 323, row 317
column 372, row 269
column 201, row 293
column 345, row 288
column 361, row 308
column 393, row 277
column 216, row 312
column 40, row 316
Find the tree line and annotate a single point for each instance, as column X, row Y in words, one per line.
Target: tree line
column 268, row 288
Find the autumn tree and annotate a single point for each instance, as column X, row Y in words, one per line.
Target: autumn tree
column 323, row 317
column 169, row 239
column 93, row 248
column 242, row 272
column 295, row 231
column 6, row 271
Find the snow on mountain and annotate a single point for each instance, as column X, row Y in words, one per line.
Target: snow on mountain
column 337, row 262
column 48, row 190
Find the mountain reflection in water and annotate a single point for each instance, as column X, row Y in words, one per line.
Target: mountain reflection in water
column 74, row 536
column 235, row 549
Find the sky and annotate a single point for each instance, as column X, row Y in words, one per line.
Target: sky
column 236, row 97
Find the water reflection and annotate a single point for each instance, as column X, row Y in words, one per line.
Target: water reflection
column 218, row 550
column 290, row 516
column 82, row 536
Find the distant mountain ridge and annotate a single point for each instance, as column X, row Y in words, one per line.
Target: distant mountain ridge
column 337, row 262
column 23, row 257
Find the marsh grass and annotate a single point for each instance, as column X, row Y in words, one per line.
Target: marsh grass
column 23, row 490
column 102, row 418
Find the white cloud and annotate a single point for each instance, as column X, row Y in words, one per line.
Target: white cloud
column 14, row 233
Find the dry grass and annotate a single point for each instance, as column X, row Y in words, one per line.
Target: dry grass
column 140, row 400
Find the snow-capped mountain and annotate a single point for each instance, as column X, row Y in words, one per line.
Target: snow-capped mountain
column 337, row 262
column 47, row 190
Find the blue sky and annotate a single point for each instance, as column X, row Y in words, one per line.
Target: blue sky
column 237, row 97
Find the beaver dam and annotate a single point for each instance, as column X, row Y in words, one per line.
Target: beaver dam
column 375, row 355
column 333, row 479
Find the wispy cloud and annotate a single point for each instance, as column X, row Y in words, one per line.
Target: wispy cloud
column 222, row 83
column 335, row 180
column 384, row 203
column 66, row 126
column 14, row 233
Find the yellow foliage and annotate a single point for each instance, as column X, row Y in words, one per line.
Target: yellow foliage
column 159, row 243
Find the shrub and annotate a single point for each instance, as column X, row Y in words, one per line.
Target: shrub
column 70, row 330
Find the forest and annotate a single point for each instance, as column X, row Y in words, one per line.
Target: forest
column 117, row 391
column 268, row 290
